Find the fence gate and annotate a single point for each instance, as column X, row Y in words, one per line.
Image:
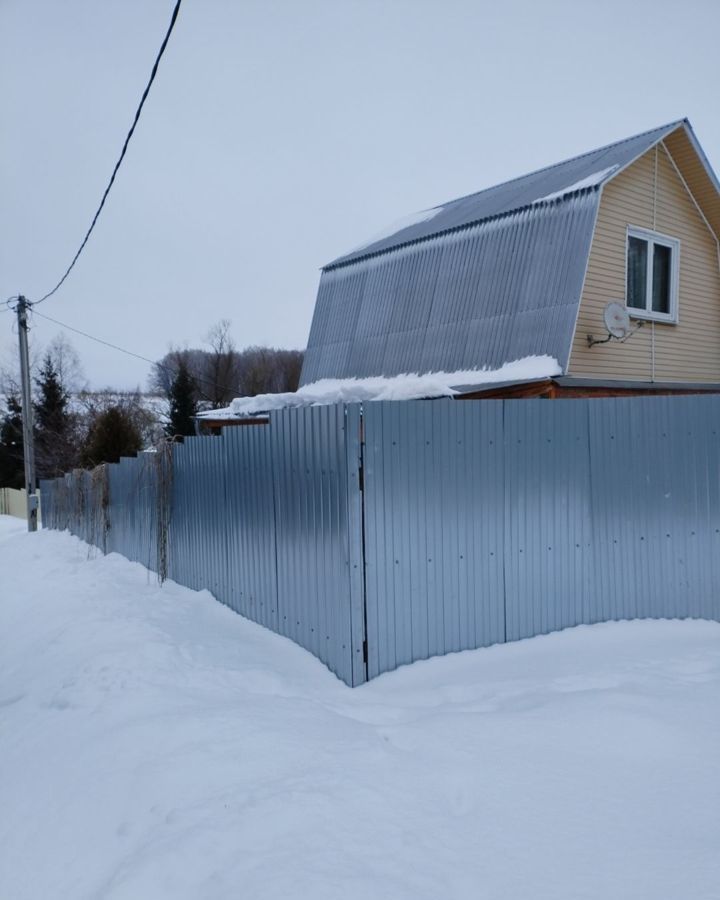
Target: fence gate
column 316, row 469
column 433, row 486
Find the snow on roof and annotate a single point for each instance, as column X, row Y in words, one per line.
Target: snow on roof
column 398, row 225
column 584, row 183
column 558, row 180
column 409, row 386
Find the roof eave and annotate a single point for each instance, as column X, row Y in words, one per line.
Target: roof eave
column 701, row 155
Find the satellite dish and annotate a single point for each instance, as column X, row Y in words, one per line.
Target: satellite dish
column 617, row 320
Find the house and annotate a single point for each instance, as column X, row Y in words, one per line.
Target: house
column 527, row 268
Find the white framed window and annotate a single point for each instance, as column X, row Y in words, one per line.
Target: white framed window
column 652, row 268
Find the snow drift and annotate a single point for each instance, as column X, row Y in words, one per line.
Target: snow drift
column 156, row 745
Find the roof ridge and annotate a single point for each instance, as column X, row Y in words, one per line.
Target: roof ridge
column 349, row 259
column 518, row 192
column 563, row 162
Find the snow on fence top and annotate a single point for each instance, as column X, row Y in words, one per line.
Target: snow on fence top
column 410, row 386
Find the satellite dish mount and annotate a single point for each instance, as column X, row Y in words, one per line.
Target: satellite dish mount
column 617, row 322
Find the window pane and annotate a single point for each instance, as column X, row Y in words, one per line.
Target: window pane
column 661, row 279
column 637, row 273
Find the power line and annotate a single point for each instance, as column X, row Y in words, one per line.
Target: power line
column 162, row 366
column 122, row 154
column 93, row 338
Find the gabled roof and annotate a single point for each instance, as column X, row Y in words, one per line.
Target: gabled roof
column 584, row 171
column 486, row 279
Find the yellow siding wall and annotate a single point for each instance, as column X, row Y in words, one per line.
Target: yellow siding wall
column 688, row 351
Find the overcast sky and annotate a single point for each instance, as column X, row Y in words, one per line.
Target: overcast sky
column 280, row 134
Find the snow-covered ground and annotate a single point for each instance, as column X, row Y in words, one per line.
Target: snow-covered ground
column 155, row 745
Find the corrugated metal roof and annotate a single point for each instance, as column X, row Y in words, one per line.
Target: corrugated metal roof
column 481, row 296
column 511, row 195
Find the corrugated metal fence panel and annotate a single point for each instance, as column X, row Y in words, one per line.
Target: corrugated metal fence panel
column 549, row 564
column 86, row 497
column 356, row 540
column 146, row 464
column 315, row 553
column 133, row 512
column 61, row 519
column 79, row 499
column 656, row 506
column 62, row 490
column 543, row 514
column 48, row 486
column 478, row 522
column 64, row 503
column 123, row 510
column 250, row 524
column 183, row 520
column 433, row 529
column 198, row 520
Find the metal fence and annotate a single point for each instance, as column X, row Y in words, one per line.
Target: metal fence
column 380, row 534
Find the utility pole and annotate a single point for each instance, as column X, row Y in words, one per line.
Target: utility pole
column 27, row 417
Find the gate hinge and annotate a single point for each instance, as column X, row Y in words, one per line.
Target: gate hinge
column 361, row 478
column 365, row 651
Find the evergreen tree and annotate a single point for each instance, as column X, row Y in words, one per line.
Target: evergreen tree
column 52, row 403
column 113, row 434
column 55, row 443
column 12, row 466
column 182, row 403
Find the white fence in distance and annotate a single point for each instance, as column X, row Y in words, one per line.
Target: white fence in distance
column 13, row 502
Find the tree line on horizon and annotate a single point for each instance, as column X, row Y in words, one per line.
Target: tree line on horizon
column 71, row 429
column 78, row 428
column 221, row 373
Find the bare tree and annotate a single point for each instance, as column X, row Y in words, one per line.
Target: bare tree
column 223, row 373
column 220, row 382
column 66, row 363
column 64, row 359
column 268, row 370
column 165, row 371
column 10, row 368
